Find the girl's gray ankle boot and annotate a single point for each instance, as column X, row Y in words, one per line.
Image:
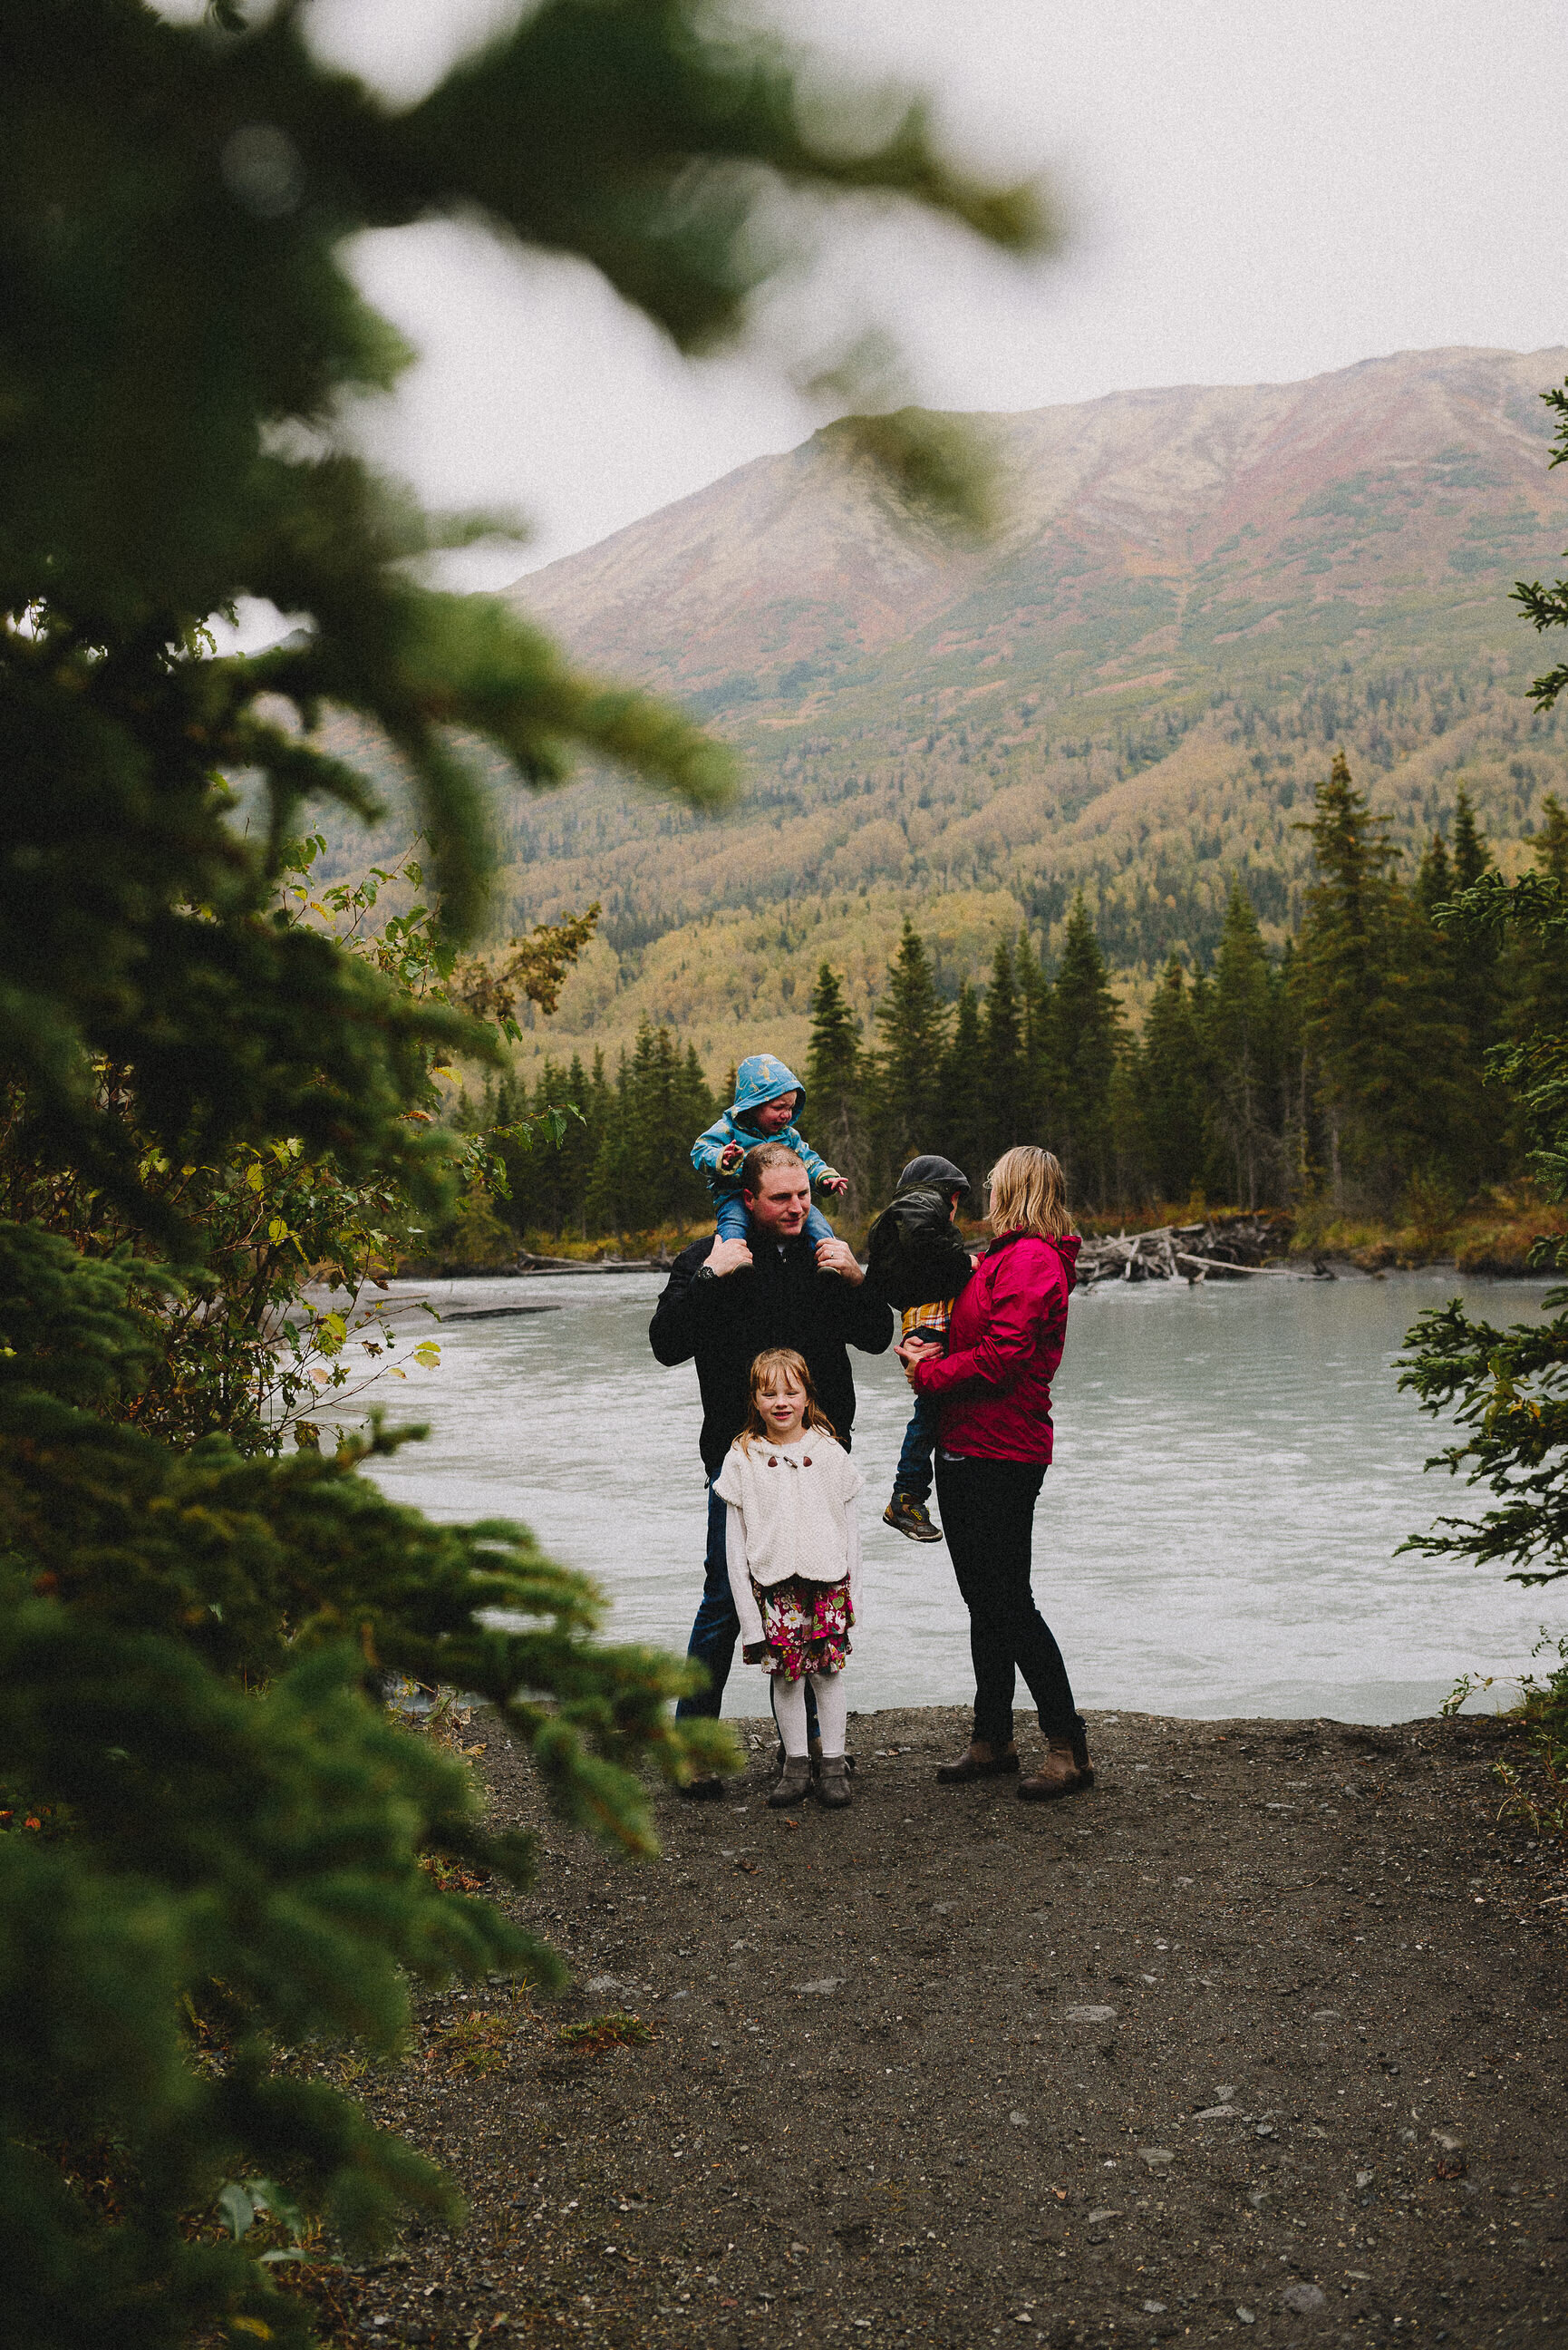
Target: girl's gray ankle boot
column 794, row 1780
column 832, row 1782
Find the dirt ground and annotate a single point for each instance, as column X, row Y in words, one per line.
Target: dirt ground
column 1260, row 2041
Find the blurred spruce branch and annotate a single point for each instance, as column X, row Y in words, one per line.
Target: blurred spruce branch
column 211, row 1833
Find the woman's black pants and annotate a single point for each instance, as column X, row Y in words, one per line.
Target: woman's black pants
column 988, row 1517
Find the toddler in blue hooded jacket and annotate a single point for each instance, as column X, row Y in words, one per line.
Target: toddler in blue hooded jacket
column 768, row 1099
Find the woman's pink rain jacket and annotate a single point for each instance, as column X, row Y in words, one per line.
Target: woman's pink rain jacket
column 1004, row 1342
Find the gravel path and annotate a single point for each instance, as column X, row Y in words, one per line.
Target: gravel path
column 1258, row 2042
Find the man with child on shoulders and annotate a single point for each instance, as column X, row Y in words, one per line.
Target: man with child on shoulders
column 724, row 1302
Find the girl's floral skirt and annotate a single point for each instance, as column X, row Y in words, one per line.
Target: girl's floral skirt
column 805, row 1624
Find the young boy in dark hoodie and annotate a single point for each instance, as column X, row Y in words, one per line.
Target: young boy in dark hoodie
column 915, row 1260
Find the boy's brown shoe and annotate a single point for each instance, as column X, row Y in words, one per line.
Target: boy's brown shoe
column 911, row 1517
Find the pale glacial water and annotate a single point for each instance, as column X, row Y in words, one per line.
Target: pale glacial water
column 1235, row 1470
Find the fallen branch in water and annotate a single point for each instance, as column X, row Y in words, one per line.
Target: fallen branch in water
column 1225, row 1246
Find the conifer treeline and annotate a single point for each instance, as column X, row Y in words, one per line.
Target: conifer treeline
column 1347, row 1066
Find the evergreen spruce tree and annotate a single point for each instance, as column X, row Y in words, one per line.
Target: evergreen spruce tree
column 557, row 1142
column 1041, row 1083
column 1533, row 970
column 835, row 1083
column 1127, row 1111
column 506, row 1120
column 961, row 1127
column 908, row 1065
column 1387, row 1046
column 1242, row 1052
column 573, row 1152
column 1295, row 1078
column 1472, row 956
column 612, row 1183
column 1435, row 878
column 1549, row 846
column 1172, row 1065
column 663, row 1151
column 598, row 1115
column 692, row 1109
column 643, row 1177
column 1087, row 1023
column 1471, row 855
column 1001, row 1062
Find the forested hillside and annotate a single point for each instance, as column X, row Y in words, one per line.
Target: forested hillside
column 1346, row 1075
column 1199, row 596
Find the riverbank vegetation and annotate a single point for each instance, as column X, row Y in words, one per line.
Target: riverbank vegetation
column 1343, row 1079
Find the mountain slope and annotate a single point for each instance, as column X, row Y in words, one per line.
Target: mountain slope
column 1198, row 593
column 1216, row 498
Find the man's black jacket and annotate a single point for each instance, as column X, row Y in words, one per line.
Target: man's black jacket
column 780, row 1300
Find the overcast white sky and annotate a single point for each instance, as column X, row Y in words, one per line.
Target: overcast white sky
column 1254, row 191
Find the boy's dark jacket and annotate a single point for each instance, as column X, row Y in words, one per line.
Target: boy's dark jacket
column 914, row 1255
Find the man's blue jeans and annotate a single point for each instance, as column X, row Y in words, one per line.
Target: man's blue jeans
column 734, row 1224
column 718, row 1627
column 914, row 1473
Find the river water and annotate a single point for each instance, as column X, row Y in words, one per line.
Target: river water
column 1234, row 1472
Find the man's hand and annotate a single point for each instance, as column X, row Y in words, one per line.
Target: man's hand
column 727, row 1256
column 832, row 1182
column 730, row 1157
column 838, row 1256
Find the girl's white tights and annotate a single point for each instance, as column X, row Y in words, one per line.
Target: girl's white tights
column 832, row 1714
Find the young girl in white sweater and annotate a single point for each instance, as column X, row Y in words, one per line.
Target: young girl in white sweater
column 794, row 1552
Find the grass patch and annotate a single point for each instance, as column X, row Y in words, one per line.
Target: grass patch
column 478, row 2042
column 596, row 2033
column 1493, row 1233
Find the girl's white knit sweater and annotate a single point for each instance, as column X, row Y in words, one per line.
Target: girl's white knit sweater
column 790, row 1512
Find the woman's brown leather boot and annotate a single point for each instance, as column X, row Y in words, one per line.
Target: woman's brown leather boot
column 979, row 1762
column 1058, row 1775
column 1081, row 1749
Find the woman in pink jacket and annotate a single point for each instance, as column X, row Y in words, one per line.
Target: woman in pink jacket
column 994, row 1379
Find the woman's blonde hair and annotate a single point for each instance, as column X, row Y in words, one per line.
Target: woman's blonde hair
column 766, row 1370
column 1029, row 1193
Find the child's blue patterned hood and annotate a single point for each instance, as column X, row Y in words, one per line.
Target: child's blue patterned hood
column 761, row 1078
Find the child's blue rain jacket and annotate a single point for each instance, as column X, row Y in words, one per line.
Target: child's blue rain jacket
column 759, row 1078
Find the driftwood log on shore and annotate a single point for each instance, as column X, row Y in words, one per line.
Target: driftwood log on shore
column 1226, row 1248
column 515, row 1268
column 660, row 1264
